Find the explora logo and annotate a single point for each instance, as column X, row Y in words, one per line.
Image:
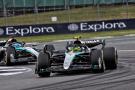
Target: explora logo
column 29, row 30
column 103, row 25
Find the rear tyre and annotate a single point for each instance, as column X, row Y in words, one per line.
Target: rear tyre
column 43, row 62
column 49, row 48
column 10, row 55
column 110, row 57
column 97, row 61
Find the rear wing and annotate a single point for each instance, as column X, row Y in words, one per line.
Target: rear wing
column 93, row 43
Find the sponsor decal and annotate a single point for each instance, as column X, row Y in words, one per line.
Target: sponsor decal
column 91, row 41
column 64, row 28
column 1, row 31
column 73, row 27
column 101, row 26
column 29, row 30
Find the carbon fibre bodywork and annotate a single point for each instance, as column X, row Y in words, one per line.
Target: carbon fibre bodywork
column 17, row 52
column 71, row 59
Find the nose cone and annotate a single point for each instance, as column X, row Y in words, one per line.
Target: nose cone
column 68, row 60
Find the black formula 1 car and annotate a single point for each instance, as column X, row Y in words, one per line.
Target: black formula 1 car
column 84, row 56
column 16, row 52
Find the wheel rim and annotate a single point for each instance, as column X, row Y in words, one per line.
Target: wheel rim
column 116, row 56
column 100, row 63
column 11, row 58
column 4, row 59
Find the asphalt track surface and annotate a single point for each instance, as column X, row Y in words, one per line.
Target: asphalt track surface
column 22, row 77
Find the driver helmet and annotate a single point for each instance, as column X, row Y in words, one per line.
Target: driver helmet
column 75, row 49
column 11, row 40
column 77, row 41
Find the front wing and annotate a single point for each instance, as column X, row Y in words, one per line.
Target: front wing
column 72, row 68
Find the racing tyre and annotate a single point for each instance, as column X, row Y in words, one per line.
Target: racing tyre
column 1, row 55
column 97, row 62
column 10, row 55
column 49, row 48
column 43, row 62
column 110, row 57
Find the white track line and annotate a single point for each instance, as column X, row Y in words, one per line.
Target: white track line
column 7, row 74
column 13, row 70
column 6, row 71
column 6, row 67
column 126, row 50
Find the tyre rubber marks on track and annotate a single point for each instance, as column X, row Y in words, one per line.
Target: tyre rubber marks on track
column 6, row 71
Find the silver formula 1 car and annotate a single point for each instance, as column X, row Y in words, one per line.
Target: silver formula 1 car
column 84, row 56
column 17, row 52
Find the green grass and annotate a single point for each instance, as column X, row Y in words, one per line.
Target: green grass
column 73, row 15
column 47, row 38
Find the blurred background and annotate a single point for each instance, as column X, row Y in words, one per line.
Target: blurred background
column 23, row 12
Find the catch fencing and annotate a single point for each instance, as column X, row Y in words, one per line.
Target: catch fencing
column 20, row 12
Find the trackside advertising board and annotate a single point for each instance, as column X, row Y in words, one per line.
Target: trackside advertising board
column 65, row 28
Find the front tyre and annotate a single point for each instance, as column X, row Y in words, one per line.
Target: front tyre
column 43, row 62
column 10, row 55
column 2, row 53
column 110, row 57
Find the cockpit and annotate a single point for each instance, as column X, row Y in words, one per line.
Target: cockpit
column 17, row 44
column 76, row 48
